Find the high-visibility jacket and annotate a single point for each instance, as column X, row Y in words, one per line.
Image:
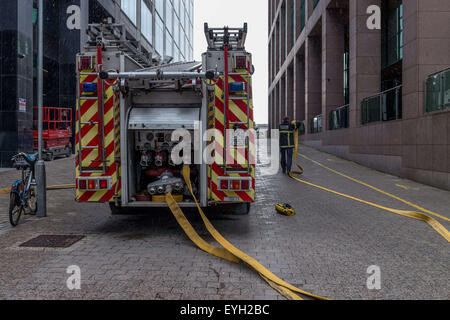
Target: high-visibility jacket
column 287, row 131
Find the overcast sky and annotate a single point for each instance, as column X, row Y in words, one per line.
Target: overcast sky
column 234, row 13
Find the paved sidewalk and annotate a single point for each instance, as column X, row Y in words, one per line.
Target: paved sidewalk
column 325, row 249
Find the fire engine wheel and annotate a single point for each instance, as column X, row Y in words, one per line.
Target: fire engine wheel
column 119, row 211
column 242, row 209
column 247, row 207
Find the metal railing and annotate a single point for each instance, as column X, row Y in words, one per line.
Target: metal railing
column 316, row 124
column 385, row 106
column 437, row 91
column 339, row 118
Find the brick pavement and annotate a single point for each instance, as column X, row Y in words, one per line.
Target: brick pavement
column 325, row 249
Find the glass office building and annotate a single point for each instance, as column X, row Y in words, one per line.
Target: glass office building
column 171, row 21
column 379, row 97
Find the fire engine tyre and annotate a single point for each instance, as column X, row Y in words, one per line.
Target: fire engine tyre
column 119, row 211
column 15, row 209
column 241, row 209
column 115, row 211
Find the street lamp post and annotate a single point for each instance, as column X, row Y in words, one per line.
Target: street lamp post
column 41, row 184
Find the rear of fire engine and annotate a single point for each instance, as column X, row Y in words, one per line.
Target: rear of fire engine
column 129, row 108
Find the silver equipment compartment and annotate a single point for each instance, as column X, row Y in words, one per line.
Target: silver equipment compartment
column 163, row 118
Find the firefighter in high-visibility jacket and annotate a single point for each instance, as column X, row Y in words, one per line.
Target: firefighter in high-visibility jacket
column 287, row 131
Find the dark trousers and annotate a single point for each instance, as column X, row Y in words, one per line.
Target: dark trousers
column 286, row 159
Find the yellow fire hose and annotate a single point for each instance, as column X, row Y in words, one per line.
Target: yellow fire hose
column 232, row 254
column 439, row 228
column 61, row 187
column 229, row 252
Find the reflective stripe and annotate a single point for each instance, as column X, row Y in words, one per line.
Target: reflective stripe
column 289, row 142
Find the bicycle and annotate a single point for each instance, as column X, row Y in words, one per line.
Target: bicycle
column 22, row 195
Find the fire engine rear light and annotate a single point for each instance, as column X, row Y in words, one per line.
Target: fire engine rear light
column 245, row 185
column 236, row 184
column 92, row 184
column 224, row 184
column 103, row 184
column 82, row 185
column 240, row 62
column 86, row 63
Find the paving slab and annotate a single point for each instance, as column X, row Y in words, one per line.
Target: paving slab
column 326, row 248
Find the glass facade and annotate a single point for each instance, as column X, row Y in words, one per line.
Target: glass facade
column 302, row 15
column 173, row 24
column 315, row 3
column 129, row 7
column 146, row 22
column 392, row 33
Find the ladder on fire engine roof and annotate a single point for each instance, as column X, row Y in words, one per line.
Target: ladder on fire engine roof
column 114, row 35
column 218, row 38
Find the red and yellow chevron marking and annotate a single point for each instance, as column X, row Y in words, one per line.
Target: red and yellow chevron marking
column 87, row 111
column 238, row 111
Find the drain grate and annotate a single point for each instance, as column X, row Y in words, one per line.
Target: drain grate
column 52, row 241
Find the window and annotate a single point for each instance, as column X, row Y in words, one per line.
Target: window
column 346, row 78
column 129, row 8
column 146, row 22
column 292, row 23
column 159, row 35
column 176, row 31
column 169, row 16
column 186, row 48
column 176, row 54
column 183, row 14
column 438, row 91
column 302, row 15
column 182, row 43
column 176, row 4
column 315, row 3
column 316, row 124
column 339, row 118
column 386, row 106
column 284, row 39
column 392, row 33
column 169, row 44
column 159, row 6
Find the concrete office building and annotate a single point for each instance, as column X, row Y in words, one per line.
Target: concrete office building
column 161, row 27
column 380, row 97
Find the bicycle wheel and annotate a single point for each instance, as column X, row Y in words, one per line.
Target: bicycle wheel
column 15, row 209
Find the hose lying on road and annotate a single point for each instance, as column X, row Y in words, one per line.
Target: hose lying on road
column 229, row 252
column 439, row 228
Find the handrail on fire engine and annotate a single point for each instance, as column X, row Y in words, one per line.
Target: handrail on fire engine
column 158, row 75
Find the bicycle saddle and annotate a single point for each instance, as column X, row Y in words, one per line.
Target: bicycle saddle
column 31, row 158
